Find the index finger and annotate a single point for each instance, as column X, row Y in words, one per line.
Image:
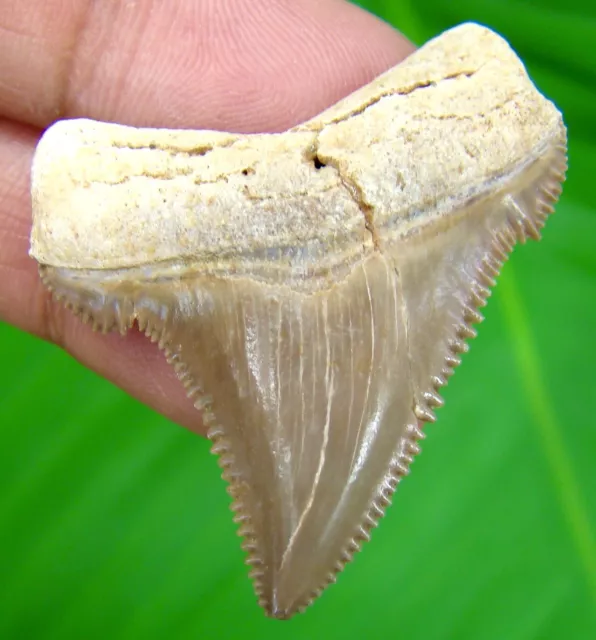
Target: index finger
column 244, row 65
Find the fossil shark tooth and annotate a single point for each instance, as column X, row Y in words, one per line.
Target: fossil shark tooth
column 313, row 289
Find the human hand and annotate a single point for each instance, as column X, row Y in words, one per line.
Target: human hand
column 236, row 65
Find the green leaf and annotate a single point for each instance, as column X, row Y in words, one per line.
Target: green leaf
column 114, row 523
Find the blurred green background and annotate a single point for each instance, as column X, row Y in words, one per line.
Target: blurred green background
column 114, row 523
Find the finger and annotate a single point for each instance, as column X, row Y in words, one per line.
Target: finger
column 352, row 48
column 132, row 363
column 244, row 65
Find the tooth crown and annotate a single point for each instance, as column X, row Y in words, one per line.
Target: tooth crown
column 313, row 289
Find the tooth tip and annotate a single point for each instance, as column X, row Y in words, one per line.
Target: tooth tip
column 279, row 613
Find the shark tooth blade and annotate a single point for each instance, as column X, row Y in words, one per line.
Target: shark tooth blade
column 309, row 404
column 448, row 269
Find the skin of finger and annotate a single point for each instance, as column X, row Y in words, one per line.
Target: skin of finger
column 231, row 64
column 132, row 363
column 241, row 65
